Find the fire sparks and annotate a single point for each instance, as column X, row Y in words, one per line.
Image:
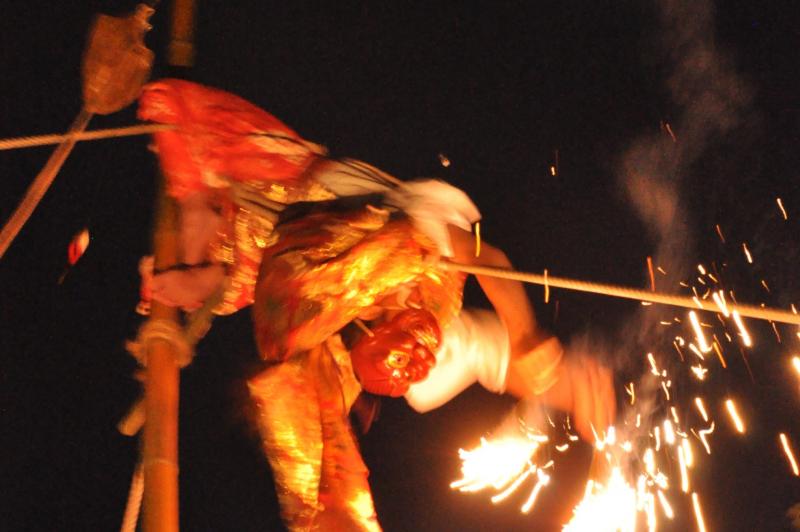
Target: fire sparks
column 737, row 421
column 477, row 239
column 612, row 506
column 796, row 364
column 783, row 211
column 742, row 331
column 747, row 254
column 701, row 408
column 698, row 332
column 495, row 463
column 789, row 455
column 698, row 513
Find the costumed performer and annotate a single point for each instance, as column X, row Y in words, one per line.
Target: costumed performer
column 377, row 258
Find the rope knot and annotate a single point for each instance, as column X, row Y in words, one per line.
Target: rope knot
column 166, row 330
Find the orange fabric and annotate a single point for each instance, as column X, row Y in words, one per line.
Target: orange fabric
column 218, row 136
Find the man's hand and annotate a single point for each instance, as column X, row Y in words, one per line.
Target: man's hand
column 575, row 383
column 584, row 389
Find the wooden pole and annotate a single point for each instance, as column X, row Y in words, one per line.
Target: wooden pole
column 161, row 391
column 160, row 449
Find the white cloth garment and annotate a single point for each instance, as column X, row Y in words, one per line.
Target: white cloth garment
column 475, row 348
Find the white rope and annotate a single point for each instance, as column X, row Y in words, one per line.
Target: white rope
column 39, row 187
column 165, row 330
column 134, row 505
column 97, row 134
column 750, row 311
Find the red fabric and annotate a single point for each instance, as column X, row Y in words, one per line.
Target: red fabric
column 398, row 353
column 218, row 134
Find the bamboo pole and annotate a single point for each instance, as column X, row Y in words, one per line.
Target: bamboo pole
column 161, row 390
column 160, row 449
column 750, row 311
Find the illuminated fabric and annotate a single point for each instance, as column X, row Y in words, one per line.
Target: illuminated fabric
column 327, row 267
column 320, row 477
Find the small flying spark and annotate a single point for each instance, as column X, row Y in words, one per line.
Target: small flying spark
column 783, row 211
column 737, row 421
column 788, row 450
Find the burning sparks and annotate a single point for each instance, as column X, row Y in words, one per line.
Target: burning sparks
column 496, row 463
column 477, row 239
column 742, row 331
column 546, row 288
column 701, row 408
column 737, row 421
column 747, row 254
column 698, row 332
column 698, row 513
column 632, row 392
column 606, row 507
column 783, row 211
column 796, row 364
column 789, row 455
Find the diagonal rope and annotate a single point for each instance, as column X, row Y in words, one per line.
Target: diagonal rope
column 39, row 187
column 42, row 140
column 750, row 311
column 131, row 516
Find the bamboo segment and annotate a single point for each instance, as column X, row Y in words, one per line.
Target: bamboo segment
column 160, row 448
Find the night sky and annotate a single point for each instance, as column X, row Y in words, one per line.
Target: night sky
column 504, row 90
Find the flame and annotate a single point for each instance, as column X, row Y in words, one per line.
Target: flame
column 496, row 463
column 606, row 507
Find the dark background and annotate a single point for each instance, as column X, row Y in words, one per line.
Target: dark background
column 497, row 87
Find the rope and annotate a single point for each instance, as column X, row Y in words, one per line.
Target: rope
column 97, row 134
column 134, row 504
column 750, row 311
column 39, row 187
column 165, row 330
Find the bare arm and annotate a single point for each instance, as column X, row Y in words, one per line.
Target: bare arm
column 508, row 297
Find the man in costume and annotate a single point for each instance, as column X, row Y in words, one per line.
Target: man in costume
column 372, row 257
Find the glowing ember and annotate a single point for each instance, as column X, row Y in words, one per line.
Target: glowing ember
column 701, row 407
column 742, row 331
column 719, row 232
column 747, row 253
column 546, row 288
column 543, row 480
column 702, row 435
column 737, row 421
column 665, row 505
column 683, row 470
column 477, row 239
column 698, row 513
column 698, row 332
column 719, row 299
column 783, row 211
column 789, row 455
column 796, row 364
column 687, row 452
column 631, row 392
